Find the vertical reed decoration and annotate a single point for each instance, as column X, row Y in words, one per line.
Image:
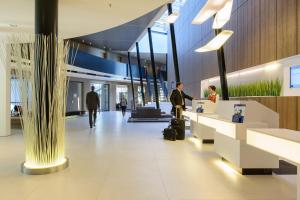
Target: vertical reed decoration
column 40, row 66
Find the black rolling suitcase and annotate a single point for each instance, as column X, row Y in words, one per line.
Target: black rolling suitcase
column 179, row 125
column 170, row 134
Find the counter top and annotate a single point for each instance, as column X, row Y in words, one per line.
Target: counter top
column 227, row 127
column 282, row 142
column 286, row 134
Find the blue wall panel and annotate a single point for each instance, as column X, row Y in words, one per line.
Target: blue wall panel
column 91, row 62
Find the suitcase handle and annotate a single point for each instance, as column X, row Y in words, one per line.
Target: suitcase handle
column 176, row 113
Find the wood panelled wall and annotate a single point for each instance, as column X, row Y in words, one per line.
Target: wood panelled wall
column 265, row 30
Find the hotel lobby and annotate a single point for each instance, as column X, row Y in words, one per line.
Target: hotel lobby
column 150, row 100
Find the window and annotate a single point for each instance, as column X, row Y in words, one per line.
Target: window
column 140, row 97
column 162, row 97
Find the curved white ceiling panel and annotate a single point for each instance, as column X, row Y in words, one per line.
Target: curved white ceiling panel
column 76, row 17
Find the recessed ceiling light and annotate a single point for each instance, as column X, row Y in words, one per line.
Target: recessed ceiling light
column 13, row 25
column 8, row 25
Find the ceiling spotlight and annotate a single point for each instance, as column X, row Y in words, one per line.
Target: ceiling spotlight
column 217, row 42
column 171, row 19
column 209, row 9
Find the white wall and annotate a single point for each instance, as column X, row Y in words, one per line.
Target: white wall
column 270, row 71
column 5, row 115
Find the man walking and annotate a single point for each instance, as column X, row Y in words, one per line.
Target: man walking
column 92, row 103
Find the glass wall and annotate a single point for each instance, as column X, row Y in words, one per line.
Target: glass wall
column 15, row 97
column 161, row 95
column 121, row 90
column 140, row 97
column 103, row 92
column 75, row 96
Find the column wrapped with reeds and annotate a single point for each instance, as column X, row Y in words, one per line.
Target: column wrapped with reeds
column 40, row 67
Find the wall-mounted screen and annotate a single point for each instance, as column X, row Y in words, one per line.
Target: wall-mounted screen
column 295, row 77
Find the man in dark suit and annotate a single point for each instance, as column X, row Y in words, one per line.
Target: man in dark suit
column 92, row 103
column 177, row 99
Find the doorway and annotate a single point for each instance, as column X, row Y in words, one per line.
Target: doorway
column 103, row 92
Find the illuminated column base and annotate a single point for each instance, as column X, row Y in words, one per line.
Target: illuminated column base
column 36, row 170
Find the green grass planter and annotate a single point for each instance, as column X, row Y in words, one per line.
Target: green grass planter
column 260, row 88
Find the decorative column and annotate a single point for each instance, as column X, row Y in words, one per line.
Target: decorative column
column 43, row 115
column 131, row 78
column 174, row 47
column 153, row 68
column 140, row 72
column 222, row 69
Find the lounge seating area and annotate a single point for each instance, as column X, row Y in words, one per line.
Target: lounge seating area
column 149, row 114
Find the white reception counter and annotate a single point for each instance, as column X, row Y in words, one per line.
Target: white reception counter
column 281, row 142
column 230, row 138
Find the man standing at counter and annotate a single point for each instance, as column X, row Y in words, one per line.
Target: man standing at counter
column 177, row 99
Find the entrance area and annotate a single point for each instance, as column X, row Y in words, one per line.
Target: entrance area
column 103, row 92
column 121, row 91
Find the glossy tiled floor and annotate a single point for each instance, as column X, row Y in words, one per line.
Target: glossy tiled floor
column 120, row 161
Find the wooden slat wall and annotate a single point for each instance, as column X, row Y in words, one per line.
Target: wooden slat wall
column 264, row 31
column 267, row 31
column 287, row 109
column 286, row 28
column 254, row 32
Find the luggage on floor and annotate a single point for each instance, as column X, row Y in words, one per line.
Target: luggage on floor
column 176, row 130
column 179, row 126
column 170, row 134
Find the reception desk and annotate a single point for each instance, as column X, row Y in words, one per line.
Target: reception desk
column 202, row 132
column 230, row 144
column 230, row 138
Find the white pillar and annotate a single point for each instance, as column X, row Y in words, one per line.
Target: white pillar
column 5, row 76
column 112, row 96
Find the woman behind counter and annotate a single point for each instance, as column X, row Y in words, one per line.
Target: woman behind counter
column 212, row 93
